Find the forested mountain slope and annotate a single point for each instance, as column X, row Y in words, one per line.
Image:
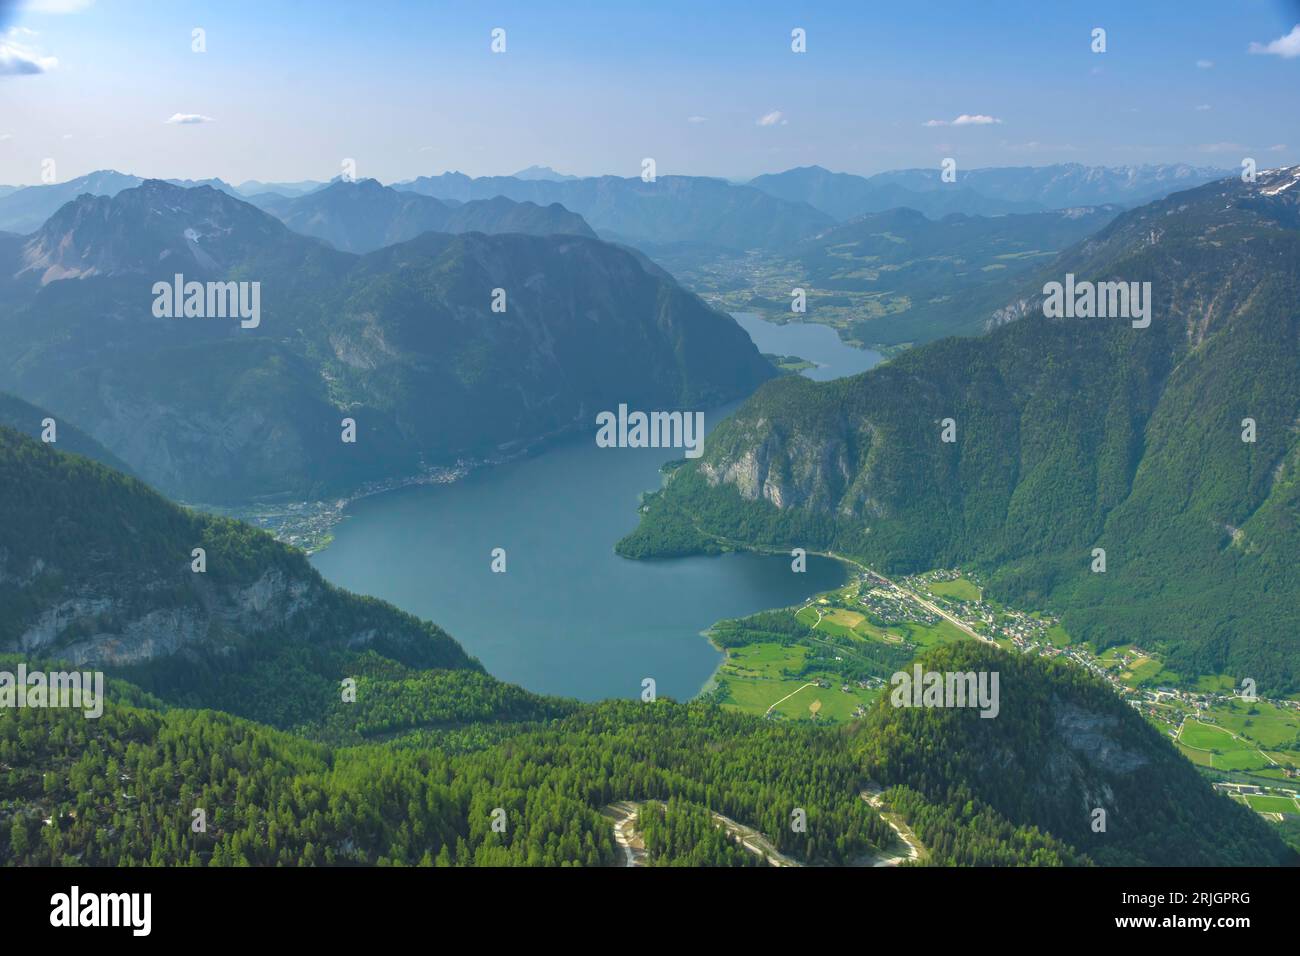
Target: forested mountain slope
column 413, row 342
column 432, row 751
column 1062, row 747
column 99, row 570
column 1071, row 434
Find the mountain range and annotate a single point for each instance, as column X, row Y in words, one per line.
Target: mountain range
column 668, row 209
column 988, row 191
column 25, row 209
column 404, row 340
column 770, row 212
column 363, row 216
column 1173, row 448
column 361, row 735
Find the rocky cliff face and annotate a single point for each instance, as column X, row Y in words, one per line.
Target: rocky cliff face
column 1062, row 748
column 1024, row 449
column 107, row 628
column 98, row 570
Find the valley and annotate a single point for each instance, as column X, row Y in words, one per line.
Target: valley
column 851, row 446
column 827, row 660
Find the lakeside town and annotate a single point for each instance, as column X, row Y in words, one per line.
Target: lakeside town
column 958, row 597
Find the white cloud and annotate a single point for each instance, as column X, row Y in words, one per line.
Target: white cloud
column 1205, row 64
column 19, row 60
column 1272, row 149
column 188, row 119
column 1204, row 108
column 966, row 119
column 1221, row 148
column 1287, row 46
column 701, row 119
column 774, row 118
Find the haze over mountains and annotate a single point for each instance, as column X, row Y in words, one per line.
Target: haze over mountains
column 363, row 216
column 404, row 340
column 769, row 212
column 986, row 192
column 1071, row 434
column 25, row 209
column 670, row 209
column 916, row 279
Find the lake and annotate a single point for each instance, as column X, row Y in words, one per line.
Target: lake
column 568, row 616
column 808, row 340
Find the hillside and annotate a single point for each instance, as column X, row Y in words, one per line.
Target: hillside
column 1061, row 747
column 97, row 569
column 931, row 278
column 274, row 798
column 1071, row 434
column 27, row 419
column 414, row 770
column 224, row 409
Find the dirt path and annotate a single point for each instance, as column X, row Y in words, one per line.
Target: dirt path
column 773, row 707
column 915, row 851
column 623, row 814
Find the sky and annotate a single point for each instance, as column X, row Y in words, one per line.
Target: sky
column 287, row 90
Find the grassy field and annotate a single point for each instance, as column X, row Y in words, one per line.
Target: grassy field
column 1223, row 751
column 756, row 676
column 958, row 590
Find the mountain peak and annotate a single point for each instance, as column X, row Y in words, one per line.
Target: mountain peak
column 542, row 172
column 199, row 230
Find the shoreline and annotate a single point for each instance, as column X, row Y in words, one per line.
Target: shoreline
column 309, row 525
column 712, row 681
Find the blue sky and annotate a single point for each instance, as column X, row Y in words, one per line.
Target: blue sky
column 287, row 90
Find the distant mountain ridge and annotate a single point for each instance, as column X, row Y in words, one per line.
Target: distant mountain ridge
column 543, row 172
column 26, row 209
column 845, row 196
column 769, row 211
column 985, row 191
column 669, row 209
column 363, row 216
